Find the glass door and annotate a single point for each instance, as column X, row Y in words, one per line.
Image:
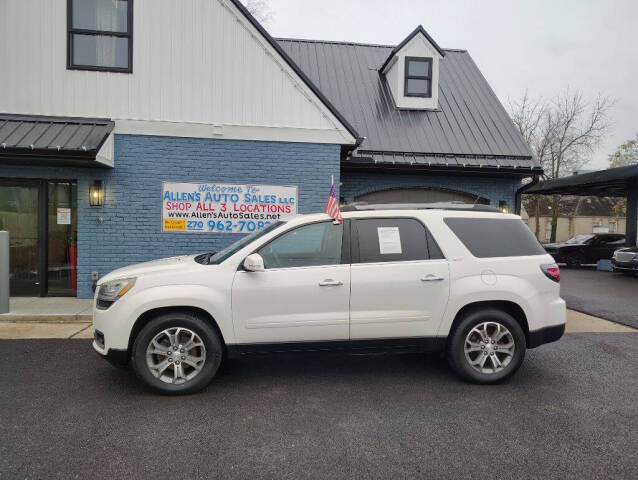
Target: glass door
column 41, row 217
column 62, row 250
column 19, row 216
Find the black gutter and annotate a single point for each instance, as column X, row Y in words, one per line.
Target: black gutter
column 489, row 171
column 518, row 197
column 273, row 43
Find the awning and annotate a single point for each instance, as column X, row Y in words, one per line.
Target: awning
column 40, row 140
column 614, row 182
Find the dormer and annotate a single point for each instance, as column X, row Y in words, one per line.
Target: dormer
column 412, row 71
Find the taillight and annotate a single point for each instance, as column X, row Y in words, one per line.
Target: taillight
column 551, row 271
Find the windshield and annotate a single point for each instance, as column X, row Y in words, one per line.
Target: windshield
column 582, row 238
column 219, row 257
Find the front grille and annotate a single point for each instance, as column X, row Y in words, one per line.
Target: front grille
column 99, row 338
column 625, row 256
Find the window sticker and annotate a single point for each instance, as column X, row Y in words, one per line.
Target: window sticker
column 389, row 240
column 64, row 216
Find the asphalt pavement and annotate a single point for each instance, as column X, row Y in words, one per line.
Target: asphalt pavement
column 608, row 295
column 570, row 412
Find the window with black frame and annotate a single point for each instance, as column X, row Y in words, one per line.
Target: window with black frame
column 418, row 77
column 100, row 35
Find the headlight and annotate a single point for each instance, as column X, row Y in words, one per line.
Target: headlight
column 110, row 291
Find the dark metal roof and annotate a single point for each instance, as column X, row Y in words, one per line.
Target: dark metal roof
column 416, row 31
column 62, row 138
column 291, row 63
column 613, row 182
column 471, row 128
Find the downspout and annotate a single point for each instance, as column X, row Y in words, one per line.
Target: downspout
column 518, row 197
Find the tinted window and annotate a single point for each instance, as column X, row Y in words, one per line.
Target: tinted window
column 495, row 237
column 433, row 248
column 311, row 245
column 612, row 240
column 392, row 240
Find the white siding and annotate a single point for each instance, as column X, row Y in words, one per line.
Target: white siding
column 419, row 46
column 194, row 61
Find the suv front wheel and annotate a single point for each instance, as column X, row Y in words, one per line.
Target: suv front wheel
column 177, row 353
column 487, row 346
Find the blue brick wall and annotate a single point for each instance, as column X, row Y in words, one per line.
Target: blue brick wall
column 131, row 230
column 495, row 189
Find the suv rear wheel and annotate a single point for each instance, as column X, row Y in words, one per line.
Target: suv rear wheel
column 487, row 346
column 177, row 353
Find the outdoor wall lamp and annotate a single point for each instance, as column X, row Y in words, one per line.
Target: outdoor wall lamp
column 96, row 194
column 503, row 206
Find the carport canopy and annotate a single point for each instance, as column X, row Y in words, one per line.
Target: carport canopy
column 614, row 182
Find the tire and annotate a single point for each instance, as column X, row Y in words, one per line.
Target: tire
column 191, row 369
column 511, row 360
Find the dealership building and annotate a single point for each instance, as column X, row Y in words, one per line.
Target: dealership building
column 132, row 130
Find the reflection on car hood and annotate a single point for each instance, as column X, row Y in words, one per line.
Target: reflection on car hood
column 171, row 263
column 628, row 249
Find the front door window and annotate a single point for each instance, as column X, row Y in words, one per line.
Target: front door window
column 310, row 245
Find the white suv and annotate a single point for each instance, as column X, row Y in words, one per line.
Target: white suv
column 467, row 280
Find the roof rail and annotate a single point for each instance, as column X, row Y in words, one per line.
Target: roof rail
column 357, row 207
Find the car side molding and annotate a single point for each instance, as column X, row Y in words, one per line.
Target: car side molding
column 377, row 345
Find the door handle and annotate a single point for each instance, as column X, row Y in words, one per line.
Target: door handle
column 432, row 278
column 330, row 283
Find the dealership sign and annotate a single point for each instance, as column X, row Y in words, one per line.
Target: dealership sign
column 224, row 208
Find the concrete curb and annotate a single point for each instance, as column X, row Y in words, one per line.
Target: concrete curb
column 45, row 318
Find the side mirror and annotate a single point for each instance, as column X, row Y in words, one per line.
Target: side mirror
column 254, row 263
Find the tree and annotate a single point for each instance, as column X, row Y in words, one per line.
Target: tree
column 562, row 133
column 260, row 9
column 530, row 117
column 626, row 154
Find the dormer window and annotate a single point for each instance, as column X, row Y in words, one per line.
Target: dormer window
column 418, row 77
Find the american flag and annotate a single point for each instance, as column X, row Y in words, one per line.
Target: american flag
column 332, row 205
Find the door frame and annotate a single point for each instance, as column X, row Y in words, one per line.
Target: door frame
column 43, row 222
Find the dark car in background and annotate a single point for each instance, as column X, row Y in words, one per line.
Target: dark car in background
column 625, row 260
column 586, row 248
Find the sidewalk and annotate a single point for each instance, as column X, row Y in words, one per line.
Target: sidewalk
column 31, row 320
column 48, row 310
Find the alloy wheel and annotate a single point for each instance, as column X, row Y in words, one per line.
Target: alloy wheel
column 176, row 355
column 489, row 347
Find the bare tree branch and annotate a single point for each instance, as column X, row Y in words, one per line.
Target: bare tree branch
column 562, row 133
column 260, row 9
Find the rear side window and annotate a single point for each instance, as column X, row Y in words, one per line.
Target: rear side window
column 495, row 237
column 393, row 240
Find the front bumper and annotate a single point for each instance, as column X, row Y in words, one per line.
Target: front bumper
column 628, row 266
column 536, row 338
column 118, row 358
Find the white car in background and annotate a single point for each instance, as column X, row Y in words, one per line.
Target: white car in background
column 463, row 279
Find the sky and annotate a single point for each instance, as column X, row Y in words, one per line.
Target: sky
column 541, row 46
